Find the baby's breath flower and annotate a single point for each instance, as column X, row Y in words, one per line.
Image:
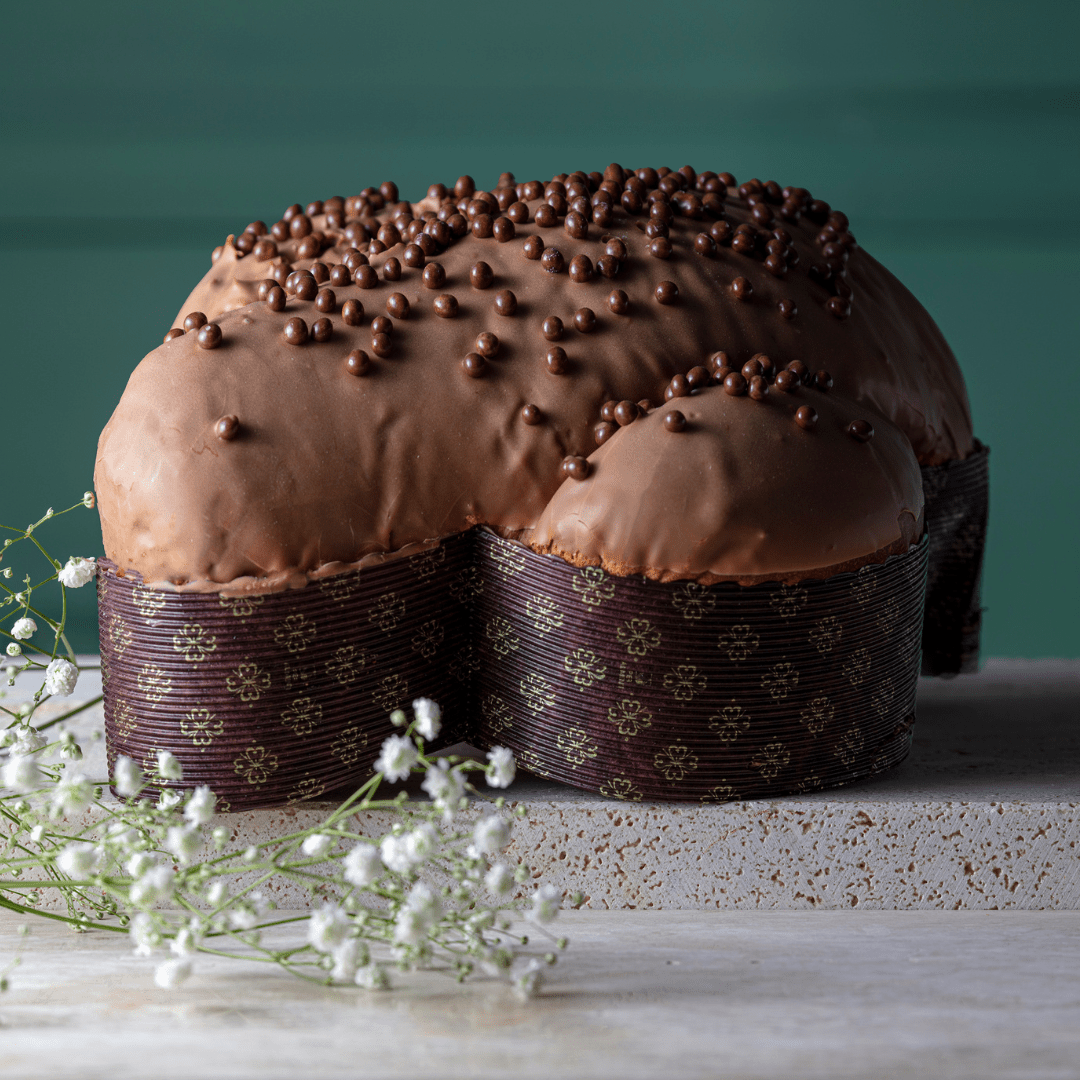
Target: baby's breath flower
column 546, row 903
column 168, row 766
column 395, row 853
column 200, row 807
column 167, row 800
column 347, row 957
column 127, row 777
column 23, row 629
column 499, row 879
column 183, row 841
column 527, row 979
column 410, row 927
column 140, row 862
column 502, row 770
column 72, row 794
column 328, row 928
column 88, row 500
column 187, row 940
column 60, row 677
column 445, row 786
column 28, row 740
column 398, row 718
column 170, row 974
column 22, row 774
column 372, row 977
column 144, row 934
column 78, row 860
column 428, row 717
column 155, row 885
column 362, row 865
column 76, row 572
column 218, row 893
column 421, row 844
column 69, row 748
column 491, row 834
column 317, row 845
column 221, row 836
column 243, row 917
column 14, row 648
column 397, row 757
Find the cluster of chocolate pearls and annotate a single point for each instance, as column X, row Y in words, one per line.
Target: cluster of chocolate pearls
column 207, row 334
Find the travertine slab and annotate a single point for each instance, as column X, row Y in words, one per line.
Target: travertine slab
column 985, row 813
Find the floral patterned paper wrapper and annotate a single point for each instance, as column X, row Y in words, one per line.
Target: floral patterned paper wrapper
column 622, row 686
column 283, row 697
column 641, row 690
column 957, row 505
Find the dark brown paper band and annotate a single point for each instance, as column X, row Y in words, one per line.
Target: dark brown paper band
column 631, row 688
column 957, row 505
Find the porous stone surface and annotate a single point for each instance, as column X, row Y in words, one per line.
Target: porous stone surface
column 984, row 814
column 711, row 994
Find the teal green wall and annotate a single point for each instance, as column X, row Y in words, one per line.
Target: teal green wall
column 133, row 136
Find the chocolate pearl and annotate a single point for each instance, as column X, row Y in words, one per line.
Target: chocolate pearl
column 860, row 430
column 552, row 328
column 735, row 384
column 762, row 214
column 173, row 334
column 608, row 265
column 552, row 260
column 354, row 260
column 227, row 428
column 483, row 227
column 667, row 292
column 264, row 288
column 194, row 320
column 258, row 228
column 603, row 431
column 767, row 366
column 457, row 224
column 280, row 272
column 648, row 177
column 446, row 306
column 556, row 360
column 705, row 245
column 314, row 208
column 776, row 265
column 397, row 306
column 557, row 203
column 340, row 276
column 576, row 225
column 428, row 244
column 265, row 250
column 838, row 307
column 744, row 243
column 660, row 248
column 308, row 248
column 823, row 381
column 366, row 277
column 675, row 421
column 678, row 387
column 292, row 211
column 532, row 416
column 632, row 202
column 697, row 376
column 584, row 320
column 305, row 287
column 326, row 301
column 322, row 330
column 742, row 289
column 392, row 270
column 352, row 313
column 503, row 229
column 381, row 325
column 751, row 368
column 661, row 212
column 786, row 381
column 389, row 191
column 799, row 370
column 533, row 248
column 545, row 216
column 280, row 230
column 717, row 361
column 583, row 208
column 787, row 308
column 296, row 331
column 722, row 233
column 464, row 187
column 532, row 190
column 381, row 345
column 626, row 412
column 505, row 303
column 607, row 410
column 616, row 249
column 619, row 302
column 581, row 268
column 604, row 217
column 487, row 344
column 434, row 276
column 414, row 256
column 518, row 213
column 839, row 221
column 299, row 226
column 759, row 388
column 474, row 364
column 276, row 299
column 575, row 467
column 655, row 229
column 644, row 405
column 357, row 362
column 806, row 417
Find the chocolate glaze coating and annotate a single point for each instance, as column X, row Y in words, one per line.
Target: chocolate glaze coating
column 333, row 468
column 743, row 494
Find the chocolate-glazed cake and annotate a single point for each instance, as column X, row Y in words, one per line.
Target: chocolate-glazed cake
column 474, row 439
